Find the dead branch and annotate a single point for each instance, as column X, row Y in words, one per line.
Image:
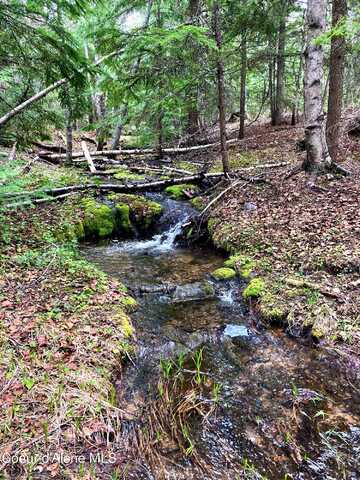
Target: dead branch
column 88, row 157
column 12, row 154
column 38, row 200
column 234, row 184
column 294, row 282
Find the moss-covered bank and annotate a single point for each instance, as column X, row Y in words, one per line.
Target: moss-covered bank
column 64, row 332
column 268, row 243
column 118, row 215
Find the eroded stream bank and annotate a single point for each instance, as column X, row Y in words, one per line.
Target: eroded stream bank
column 285, row 410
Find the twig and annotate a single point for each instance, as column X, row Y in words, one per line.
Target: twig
column 7, row 385
column 234, row 184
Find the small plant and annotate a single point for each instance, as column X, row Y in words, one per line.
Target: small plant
column 166, row 367
column 28, row 382
column 181, row 360
column 190, row 449
column 294, row 390
column 216, row 389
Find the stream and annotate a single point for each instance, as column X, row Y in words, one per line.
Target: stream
column 286, row 409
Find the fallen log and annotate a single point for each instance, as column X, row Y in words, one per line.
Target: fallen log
column 145, row 151
column 121, row 188
column 50, row 147
column 178, row 170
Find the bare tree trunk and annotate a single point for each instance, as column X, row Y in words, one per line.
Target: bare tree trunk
column 100, row 109
column 293, row 116
column 242, row 113
column 69, row 140
column 280, row 72
column 221, row 87
column 160, row 139
column 192, row 110
column 318, row 158
column 336, row 80
column 271, row 83
column 119, row 128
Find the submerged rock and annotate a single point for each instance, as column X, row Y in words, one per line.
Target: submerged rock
column 236, row 331
column 193, row 291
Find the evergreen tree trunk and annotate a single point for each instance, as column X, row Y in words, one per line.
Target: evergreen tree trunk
column 221, row 87
column 119, row 128
column 280, row 73
column 242, row 113
column 100, row 109
column 336, row 80
column 160, row 135
column 318, row 158
column 271, row 70
column 192, row 110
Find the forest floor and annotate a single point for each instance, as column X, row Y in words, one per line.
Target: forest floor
column 302, row 245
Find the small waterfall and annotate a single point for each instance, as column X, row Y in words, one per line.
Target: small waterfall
column 175, row 215
column 161, row 242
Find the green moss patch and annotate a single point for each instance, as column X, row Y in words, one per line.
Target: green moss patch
column 177, row 192
column 243, row 264
column 126, row 174
column 99, row 219
column 223, row 273
column 123, row 223
column 129, row 303
column 271, row 307
column 255, row 288
column 143, row 212
column 199, row 203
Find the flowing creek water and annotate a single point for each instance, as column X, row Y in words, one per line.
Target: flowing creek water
column 286, row 409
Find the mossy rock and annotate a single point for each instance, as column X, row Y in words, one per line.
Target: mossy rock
column 223, row 273
column 143, row 213
column 243, row 264
column 177, row 192
column 124, row 322
column 198, row 202
column 271, row 308
column 255, row 289
column 99, row 219
column 122, row 216
column 129, row 303
column 69, row 232
column 79, row 230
